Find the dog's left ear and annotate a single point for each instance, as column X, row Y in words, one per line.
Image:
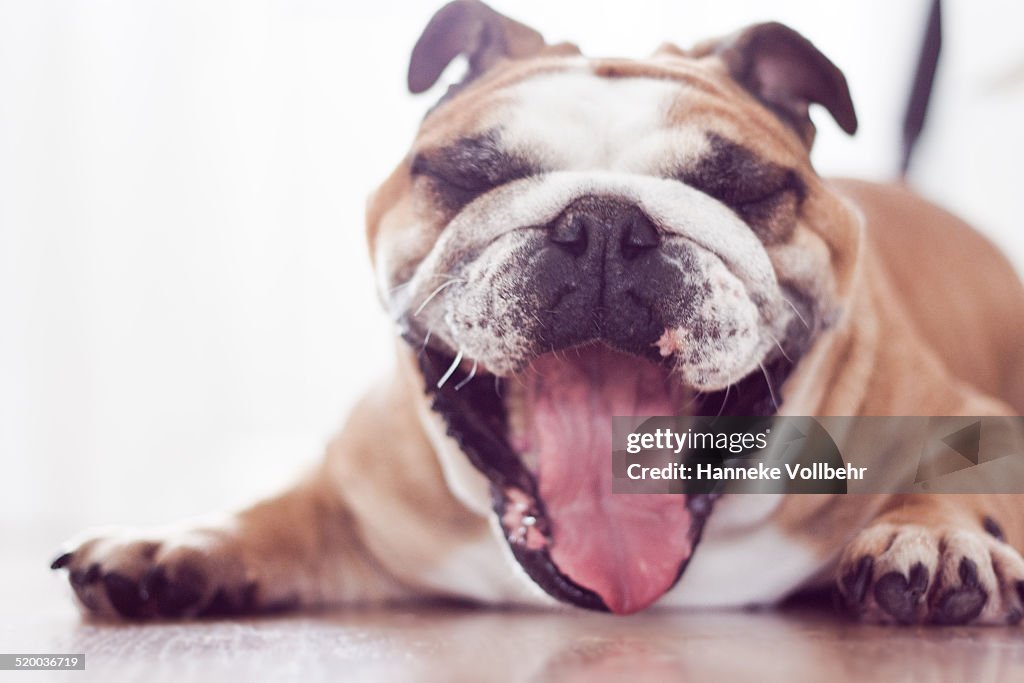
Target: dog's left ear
column 787, row 73
column 471, row 28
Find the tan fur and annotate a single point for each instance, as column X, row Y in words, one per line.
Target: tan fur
column 961, row 294
column 383, row 454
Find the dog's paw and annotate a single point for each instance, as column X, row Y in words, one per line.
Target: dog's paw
column 911, row 574
column 188, row 574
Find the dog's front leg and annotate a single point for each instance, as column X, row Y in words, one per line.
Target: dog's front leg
column 297, row 549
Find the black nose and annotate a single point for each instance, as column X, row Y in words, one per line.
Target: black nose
column 611, row 227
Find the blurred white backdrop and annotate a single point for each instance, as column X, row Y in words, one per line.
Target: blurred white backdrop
column 186, row 305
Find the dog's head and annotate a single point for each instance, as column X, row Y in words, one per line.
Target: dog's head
column 571, row 239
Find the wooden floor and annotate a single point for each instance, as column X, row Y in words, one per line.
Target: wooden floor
column 458, row 644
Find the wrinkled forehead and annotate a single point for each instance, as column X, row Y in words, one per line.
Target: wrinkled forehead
column 612, row 114
column 577, row 120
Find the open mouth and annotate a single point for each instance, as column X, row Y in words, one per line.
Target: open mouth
column 543, row 437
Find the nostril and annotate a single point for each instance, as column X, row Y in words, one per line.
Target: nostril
column 570, row 233
column 638, row 236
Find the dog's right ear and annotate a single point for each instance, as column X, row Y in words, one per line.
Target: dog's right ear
column 471, row 28
column 786, row 73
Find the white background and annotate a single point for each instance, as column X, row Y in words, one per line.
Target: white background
column 186, row 305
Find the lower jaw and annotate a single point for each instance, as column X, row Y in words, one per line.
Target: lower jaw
column 584, row 584
column 582, row 553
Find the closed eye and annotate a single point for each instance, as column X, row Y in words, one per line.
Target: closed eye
column 736, row 178
column 762, row 190
column 467, row 179
column 462, row 171
column 765, row 195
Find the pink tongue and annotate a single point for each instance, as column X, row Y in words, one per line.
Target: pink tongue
column 627, row 548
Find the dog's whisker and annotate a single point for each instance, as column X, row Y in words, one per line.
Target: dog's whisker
column 413, row 281
column 540, row 323
column 781, row 350
column 468, row 378
column 725, row 399
column 771, row 390
column 435, row 293
column 696, row 398
column 799, row 316
column 451, row 370
column 426, row 339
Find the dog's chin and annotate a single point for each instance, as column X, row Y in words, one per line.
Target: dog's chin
column 543, row 437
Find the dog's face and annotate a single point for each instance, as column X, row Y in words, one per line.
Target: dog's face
column 571, row 239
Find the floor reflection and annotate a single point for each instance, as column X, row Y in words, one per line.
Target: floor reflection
column 458, row 644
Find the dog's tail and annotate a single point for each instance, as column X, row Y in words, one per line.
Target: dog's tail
column 924, row 80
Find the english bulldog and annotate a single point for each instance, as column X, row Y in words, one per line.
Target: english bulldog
column 573, row 238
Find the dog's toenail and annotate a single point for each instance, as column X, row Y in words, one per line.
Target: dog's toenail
column 993, row 528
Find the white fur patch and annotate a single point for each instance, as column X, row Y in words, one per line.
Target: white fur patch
column 713, row 363
column 576, row 120
column 743, row 558
column 466, row 482
column 486, row 571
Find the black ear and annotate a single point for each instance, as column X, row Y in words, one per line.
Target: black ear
column 471, row 28
column 787, row 73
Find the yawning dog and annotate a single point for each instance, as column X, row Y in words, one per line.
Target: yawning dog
column 573, row 238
